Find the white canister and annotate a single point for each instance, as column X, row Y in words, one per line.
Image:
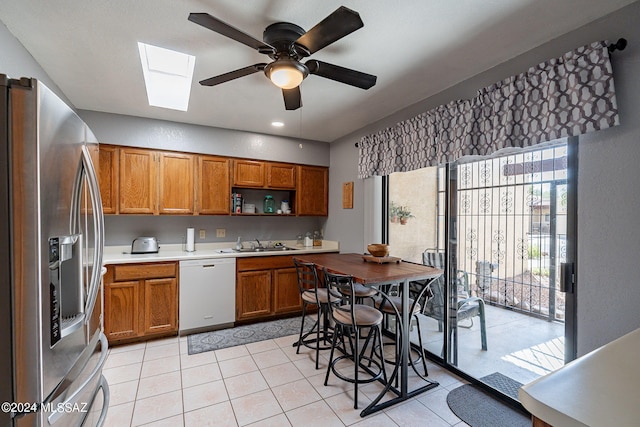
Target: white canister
column 308, row 241
column 284, row 206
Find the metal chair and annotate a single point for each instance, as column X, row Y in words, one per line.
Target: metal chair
column 420, row 294
column 468, row 306
column 350, row 320
column 313, row 294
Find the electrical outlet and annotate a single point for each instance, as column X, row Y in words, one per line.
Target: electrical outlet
column 221, row 232
column 203, row 234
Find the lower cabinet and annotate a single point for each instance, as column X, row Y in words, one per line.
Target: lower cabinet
column 266, row 287
column 140, row 301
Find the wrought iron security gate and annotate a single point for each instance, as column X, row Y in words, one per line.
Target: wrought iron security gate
column 511, row 229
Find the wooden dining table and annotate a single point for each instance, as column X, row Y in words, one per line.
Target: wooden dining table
column 372, row 274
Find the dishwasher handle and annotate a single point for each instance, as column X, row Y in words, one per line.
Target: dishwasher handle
column 207, row 262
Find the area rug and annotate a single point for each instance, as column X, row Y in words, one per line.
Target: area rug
column 478, row 408
column 215, row 340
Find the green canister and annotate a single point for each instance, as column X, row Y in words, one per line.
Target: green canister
column 269, row 204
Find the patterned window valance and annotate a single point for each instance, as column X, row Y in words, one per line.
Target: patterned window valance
column 566, row 96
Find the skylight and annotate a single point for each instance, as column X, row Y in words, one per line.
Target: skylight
column 167, row 75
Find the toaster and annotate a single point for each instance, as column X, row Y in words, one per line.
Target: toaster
column 145, row 245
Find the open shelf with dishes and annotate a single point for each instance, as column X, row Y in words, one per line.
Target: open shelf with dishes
column 251, row 201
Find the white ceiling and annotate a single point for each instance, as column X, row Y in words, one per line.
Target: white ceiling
column 416, row 48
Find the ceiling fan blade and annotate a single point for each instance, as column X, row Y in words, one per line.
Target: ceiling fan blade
column 340, row 23
column 231, row 75
column 220, row 27
column 341, row 74
column 292, row 98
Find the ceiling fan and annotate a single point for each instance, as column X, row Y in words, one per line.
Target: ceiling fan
column 287, row 44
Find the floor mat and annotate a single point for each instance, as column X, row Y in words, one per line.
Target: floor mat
column 215, row 340
column 503, row 383
column 478, row 408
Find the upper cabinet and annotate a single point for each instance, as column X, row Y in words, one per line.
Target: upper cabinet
column 138, row 175
column 152, row 182
column 313, row 191
column 141, row 181
column 248, row 173
column 212, row 185
column 176, row 191
column 281, row 175
column 260, row 174
column 108, row 176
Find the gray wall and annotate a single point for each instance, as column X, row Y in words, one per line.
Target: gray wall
column 608, row 231
column 16, row 62
column 149, row 133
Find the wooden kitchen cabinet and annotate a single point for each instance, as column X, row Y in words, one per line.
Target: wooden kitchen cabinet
column 160, row 306
column 176, row 192
column 266, row 287
column 253, row 294
column 212, row 188
column 155, row 182
column 151, row 182
column 121, row 302
column 248, row 173
column 286, row 296
column 108, row 177
column 312, row 193
column 259, row 174
column 137, row 181
column 281, row 175
column 140, row 301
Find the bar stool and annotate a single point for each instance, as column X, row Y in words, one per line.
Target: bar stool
column 350, row 319
column 392, row 306
column 312, row 294
column 361, row 292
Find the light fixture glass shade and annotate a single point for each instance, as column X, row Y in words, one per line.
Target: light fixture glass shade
column 286, row 78
column 286, row 74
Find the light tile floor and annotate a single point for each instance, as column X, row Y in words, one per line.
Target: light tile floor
column 261, row 384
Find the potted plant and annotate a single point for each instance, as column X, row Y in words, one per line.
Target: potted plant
column 404, row 214
column 393, row 212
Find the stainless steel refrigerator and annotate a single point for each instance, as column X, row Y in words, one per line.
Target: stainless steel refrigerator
column 52, row 347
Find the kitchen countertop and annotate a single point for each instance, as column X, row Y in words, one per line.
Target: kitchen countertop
column 175, row 252
column 597, row 389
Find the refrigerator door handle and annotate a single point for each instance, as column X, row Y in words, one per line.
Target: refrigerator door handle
column 104, row 385
column 97, row 370
column 96, row 201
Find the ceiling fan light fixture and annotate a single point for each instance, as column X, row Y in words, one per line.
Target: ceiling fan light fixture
column 286, row 73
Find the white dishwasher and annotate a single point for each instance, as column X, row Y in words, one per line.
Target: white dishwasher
column 207, row 293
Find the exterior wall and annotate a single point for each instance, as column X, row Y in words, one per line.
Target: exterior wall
column 416, row 191
column 608, row 234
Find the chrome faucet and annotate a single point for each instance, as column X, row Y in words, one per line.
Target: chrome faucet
column 259, row 244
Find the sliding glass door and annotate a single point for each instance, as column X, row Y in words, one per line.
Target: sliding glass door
column 503, row 225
